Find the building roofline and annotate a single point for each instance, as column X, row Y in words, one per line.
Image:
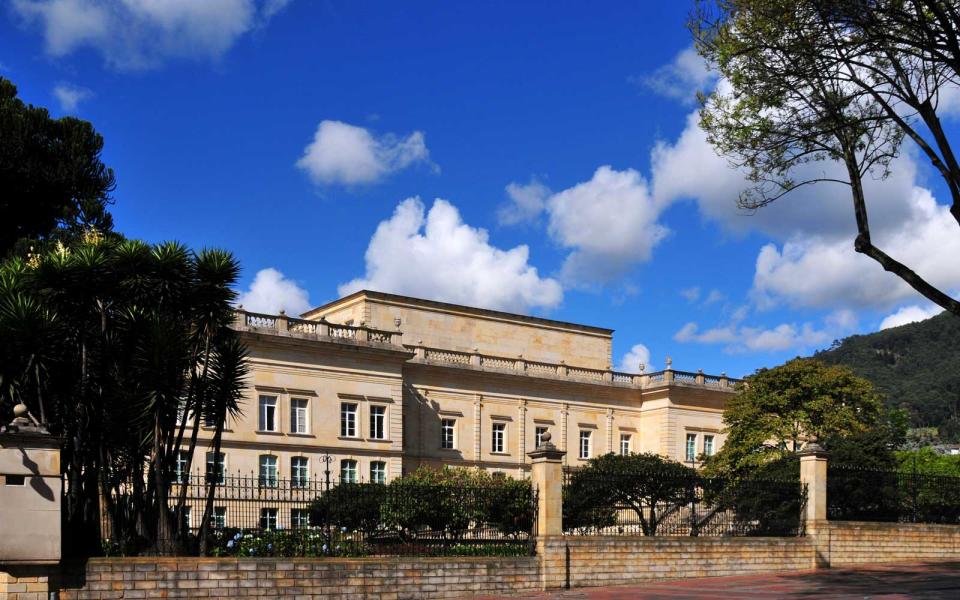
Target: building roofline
column 481, row 312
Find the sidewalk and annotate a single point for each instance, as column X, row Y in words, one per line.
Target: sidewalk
column 889, row 582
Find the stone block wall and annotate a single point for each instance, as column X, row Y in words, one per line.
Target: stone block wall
column 612, row 560
column 852, row 543
column 386, row 578
column 27, row 582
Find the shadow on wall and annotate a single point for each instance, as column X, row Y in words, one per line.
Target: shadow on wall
column 36, row 481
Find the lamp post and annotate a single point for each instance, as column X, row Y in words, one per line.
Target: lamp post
column 326, row 459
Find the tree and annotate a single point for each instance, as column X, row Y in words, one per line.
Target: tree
column 122, row 348
column 54, row 185
column 651, row 486
column 831, row 81
column 777, row 409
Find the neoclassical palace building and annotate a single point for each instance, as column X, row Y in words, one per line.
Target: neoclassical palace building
column 382, row 383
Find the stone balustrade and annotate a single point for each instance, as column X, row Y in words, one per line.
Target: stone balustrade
column 519, row 365
column 281, row 324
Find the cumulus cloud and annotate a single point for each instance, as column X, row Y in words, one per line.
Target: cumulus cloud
column 526, row 203
column 70, row 96
column 436, row 255
column 632, row 360
column 737, row 337
column 680, row 79
column 910, row 314
column 691, row 294
column 270, row 292
column 138, row 34
column 609, row 223
column 351, row 155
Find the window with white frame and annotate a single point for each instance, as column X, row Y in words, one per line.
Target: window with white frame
column 378, row 422
column 267, row 414
column 299, row 518
column 299, row 417
column 299, row 471
column 708, row 445
column 538, row 436
column 447, row 429
column 218, row 520
column 268, row 518
column 181, row 469
column 498, row 443
column 585, row 439
column 216, row 468
column 378, row 472
column 348, row 471
column 691, row 453
column 268, row 471
column 624, row 444
column 348, row 419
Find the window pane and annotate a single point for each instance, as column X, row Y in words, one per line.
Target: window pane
column 299, row 471
column 299, row 518
column 584, row 444
column 499, row 435
column 378, row 472
column 708, row 445
column 447, row 428
column 268, row 518
column 268, row 471
column 298, row 415
column 624, row 444
column 691, row 446
column 218, row 520
column 348, row 471
column 348, row 420
column 216, row 469
column 267, row 414
column 378, row 422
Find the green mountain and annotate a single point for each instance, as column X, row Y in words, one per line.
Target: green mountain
column 917, row 367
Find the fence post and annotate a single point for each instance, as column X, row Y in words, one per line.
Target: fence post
column 813, row 473
column 547, row 477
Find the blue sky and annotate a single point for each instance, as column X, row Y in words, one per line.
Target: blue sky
column 575, row 182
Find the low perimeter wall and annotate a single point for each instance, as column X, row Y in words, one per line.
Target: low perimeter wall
column 579, row 561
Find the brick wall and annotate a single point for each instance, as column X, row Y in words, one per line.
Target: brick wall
column 27, row 582
column 852, row 543
column 600, row 560
column 386, row 578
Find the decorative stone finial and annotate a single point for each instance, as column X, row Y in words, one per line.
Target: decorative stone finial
column 397, row 322
column 642, row 367
column 20, row 411
column 23, row 421
column 669, row 363
column 282, row 312
column 546, row 437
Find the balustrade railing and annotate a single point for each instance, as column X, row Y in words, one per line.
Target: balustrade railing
column 284, row 324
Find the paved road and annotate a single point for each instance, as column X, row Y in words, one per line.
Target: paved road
column 887, row 582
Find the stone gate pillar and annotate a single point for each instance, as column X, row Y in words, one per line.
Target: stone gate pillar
column 30, row 491
column 547, row 476
column 813, row 472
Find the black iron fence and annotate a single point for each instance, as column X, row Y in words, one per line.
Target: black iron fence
column 650, row 504
column 252, row 516
column 891, row 496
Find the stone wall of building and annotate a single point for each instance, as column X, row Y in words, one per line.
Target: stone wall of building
column 852, row 543
column 613, row 560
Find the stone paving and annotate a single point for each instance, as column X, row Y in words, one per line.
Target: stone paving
column 887, row 582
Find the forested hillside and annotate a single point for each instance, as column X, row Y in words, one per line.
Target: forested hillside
column 917, row 366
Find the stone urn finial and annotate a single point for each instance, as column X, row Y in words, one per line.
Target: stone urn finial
column 669, row 363
column 642, row 367
column 546, row 437
column 23, row 421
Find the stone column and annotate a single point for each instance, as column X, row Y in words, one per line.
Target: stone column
column 547, row 477
column 30, row 491
column 813, row 473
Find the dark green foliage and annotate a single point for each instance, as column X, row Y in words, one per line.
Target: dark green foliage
column 354, row 506
column 916, row 367
column 53, row 183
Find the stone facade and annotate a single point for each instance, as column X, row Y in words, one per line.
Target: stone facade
column 448, row 385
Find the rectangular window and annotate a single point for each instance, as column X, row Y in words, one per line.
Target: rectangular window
column 708, row 445
column 538, row 436
column 624, row 444
column 585, row 444
column 691, row 453
column 498, row 443
column 378, row 472
column 348, row 420
column 268, row 471
column 268, row 518
column 378, row 422
column 348, row 471
column 267, row 414
column 218, row 520
column 299, row 471
column 216, row 469
column 447, row 429
column 299, row 518
column 187, row 521
column 298, row 416
column 181, row 470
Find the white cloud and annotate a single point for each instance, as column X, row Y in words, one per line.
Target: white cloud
column 137, row 34
column 817, row 272
column 692, row 294
column 436, row 255
column 631, row 361
column 270, row 292
column 527, row 201
column 739, row 338
column 680, row 79
column 713, row 297
column 910, row 314
column 350, row 155
column 70, row 96
column 609, row 223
